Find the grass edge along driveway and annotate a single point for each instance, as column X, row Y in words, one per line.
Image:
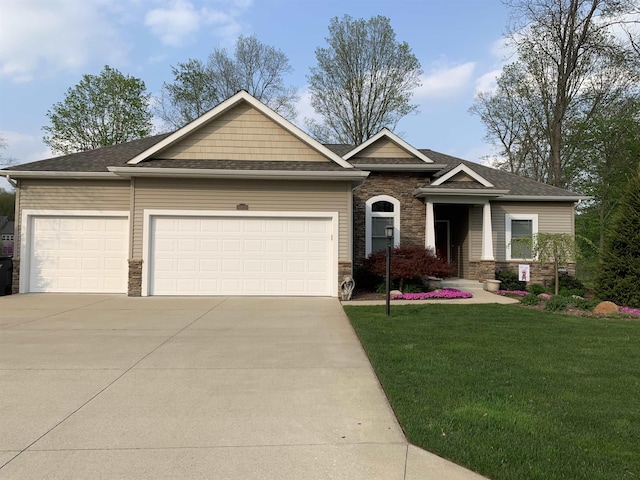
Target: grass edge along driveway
column 509, row 392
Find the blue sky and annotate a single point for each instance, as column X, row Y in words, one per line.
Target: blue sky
column 47, row 45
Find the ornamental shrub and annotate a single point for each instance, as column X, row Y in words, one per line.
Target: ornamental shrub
column 509, row 280
column 530, row 300
column 536, row 289
column 569, row 286
column 408, row 263
column 557, row 303
column 619, row 273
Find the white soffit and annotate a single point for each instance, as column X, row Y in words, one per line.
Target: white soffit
column 462, row 168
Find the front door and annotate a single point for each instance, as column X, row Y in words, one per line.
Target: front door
column 443, row 240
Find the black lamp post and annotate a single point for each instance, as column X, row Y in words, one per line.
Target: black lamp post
column 388, row 234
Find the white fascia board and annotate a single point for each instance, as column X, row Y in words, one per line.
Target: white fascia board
column 228, row 104
column 60, row 174
column 428, row 192
column 423, row 167
column 544, row 198
column 395, row 139
column 463, row 168
column 128, row 172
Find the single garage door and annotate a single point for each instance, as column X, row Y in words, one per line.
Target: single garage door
column 240, row 256
column 78, row 254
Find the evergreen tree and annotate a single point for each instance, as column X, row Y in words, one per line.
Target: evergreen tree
column 620, row 261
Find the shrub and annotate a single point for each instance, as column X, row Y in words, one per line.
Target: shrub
column 530, row 300
column 536, row 289
column 569, row 286
column 366, row 280
column 509, row 280
column 619, row 274
column 557, row 303
column 408, row 263
column 583, row 304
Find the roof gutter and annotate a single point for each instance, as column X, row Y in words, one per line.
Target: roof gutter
column 340, row 175
column 544, row 198
column 61, row 175
column 427, row 167
column 11, row 181
column 461, row 192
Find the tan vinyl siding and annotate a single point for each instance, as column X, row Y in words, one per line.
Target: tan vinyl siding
column 39, row 194
column 243, row 133
column 461, row 177
column 276, row 196
column 552, row 218
column 383, row 148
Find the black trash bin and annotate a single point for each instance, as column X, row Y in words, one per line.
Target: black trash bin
column 6, row 274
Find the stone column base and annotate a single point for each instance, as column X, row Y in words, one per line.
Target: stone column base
column 482, row 270
column 135, row 278
column 15, row 276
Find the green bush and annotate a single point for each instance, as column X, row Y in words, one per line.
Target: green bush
column 557, row 303
column 568, row 286
column 619, row 274
column 583, row 304
column 536, row 289
column 366, row 280
column 509, row 280
column 530, row 300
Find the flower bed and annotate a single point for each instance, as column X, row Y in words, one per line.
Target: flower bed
column 515, row 293
column 633, row 311
column 445, row 293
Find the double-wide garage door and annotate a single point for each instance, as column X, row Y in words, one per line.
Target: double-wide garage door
column 240, row 256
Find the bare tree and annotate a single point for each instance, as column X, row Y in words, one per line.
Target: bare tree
column 363, row 81
column 197, row 86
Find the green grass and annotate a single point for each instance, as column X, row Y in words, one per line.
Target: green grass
column 509, row 392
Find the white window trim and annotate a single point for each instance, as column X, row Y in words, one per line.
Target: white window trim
column 507, row 230
column 395, row 215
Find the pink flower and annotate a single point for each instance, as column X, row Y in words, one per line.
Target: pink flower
column 544, row 296
column 632, row 311
column 445, row 293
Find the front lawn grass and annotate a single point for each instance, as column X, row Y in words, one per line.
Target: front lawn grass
column 509, row 392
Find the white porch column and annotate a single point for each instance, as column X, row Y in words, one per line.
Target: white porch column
column 487, row 234
column 430, row 239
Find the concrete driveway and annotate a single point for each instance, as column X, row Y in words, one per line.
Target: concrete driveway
column 111, row 387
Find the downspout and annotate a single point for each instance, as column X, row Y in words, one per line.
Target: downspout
column 11, row 181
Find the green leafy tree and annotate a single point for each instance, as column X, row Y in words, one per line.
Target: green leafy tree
column 191, row 94
column 569, row 63
column 7, row 204
column 555, row 248
column 619, row 273
column 255, row 67
column 363, row 80
column 100, row 110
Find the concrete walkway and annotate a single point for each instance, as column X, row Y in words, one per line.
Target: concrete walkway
column 111, row 387
column 479, row 296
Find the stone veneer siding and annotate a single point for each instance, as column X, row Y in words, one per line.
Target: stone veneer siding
column 135, row 278
column 15, row 276
column 482, row 270
column 540, row 273
column 412, row 210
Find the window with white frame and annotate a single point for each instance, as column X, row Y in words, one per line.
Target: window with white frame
column 519, row 233
column 381, row 211
column 7, row 237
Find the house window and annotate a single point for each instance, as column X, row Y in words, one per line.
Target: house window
column 7, row 237
column 519, row 232
column 381, row 211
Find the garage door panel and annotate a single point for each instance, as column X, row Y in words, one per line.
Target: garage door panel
column 241, row 256
column 78, row 254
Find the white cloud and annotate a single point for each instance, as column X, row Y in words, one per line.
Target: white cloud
column 24, row 147
column 304, row 109
column 174, row 24
column 177, row 22
column 487, row 83
column 444, row 81
column 50, row 36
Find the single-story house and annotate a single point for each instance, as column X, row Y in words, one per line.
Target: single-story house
column 243, row 202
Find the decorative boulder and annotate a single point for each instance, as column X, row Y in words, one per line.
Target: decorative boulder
column 395, row 292
column 606, row 307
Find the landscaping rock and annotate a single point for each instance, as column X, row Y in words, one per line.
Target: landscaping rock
column 606, row 307
column 395, row 292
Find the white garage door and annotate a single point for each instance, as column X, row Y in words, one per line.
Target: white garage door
column 240, row 256
column 78, row 254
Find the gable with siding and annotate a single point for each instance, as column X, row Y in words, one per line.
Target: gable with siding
column 383, row 148
column 242, row 133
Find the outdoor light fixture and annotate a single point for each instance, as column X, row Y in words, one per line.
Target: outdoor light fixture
column 388, row 234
